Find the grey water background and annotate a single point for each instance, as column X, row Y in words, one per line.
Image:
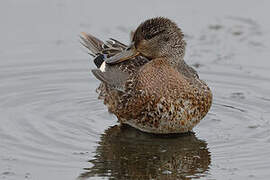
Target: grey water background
column 53, row 127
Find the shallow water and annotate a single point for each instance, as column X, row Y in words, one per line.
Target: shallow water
column 53, row 126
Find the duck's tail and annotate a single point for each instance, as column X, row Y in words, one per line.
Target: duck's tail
column 100, row 50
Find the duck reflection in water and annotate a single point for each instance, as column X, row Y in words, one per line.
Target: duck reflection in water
column 126, row 153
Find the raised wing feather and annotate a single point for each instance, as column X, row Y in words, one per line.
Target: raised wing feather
column 114, row 76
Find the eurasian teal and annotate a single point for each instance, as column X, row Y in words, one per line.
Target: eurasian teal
column 147, row 84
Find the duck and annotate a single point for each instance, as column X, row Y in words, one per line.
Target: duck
column 147, row 84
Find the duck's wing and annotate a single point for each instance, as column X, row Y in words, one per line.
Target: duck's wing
column 115, row 79
column 100, row 50
column 112, row 75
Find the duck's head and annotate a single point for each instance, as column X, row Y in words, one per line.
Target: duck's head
column 154, row 38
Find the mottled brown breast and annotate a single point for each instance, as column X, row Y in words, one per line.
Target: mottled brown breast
column 154, row 80
column 160, row 99
column 159, row 78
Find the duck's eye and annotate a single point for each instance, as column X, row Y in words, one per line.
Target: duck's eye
column 153, row 34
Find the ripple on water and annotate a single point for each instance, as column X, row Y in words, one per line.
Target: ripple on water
column 236, row 129
column 48, row 116
column 52, row 121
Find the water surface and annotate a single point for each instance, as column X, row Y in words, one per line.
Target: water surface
column 54, row 127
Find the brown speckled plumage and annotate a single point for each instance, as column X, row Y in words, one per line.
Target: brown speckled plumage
column 148, row 85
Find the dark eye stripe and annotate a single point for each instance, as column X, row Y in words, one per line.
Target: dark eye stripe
column 150, row 36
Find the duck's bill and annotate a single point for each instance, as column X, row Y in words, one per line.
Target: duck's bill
column 127, row 54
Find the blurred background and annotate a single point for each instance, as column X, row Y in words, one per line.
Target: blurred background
column 53, row 126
